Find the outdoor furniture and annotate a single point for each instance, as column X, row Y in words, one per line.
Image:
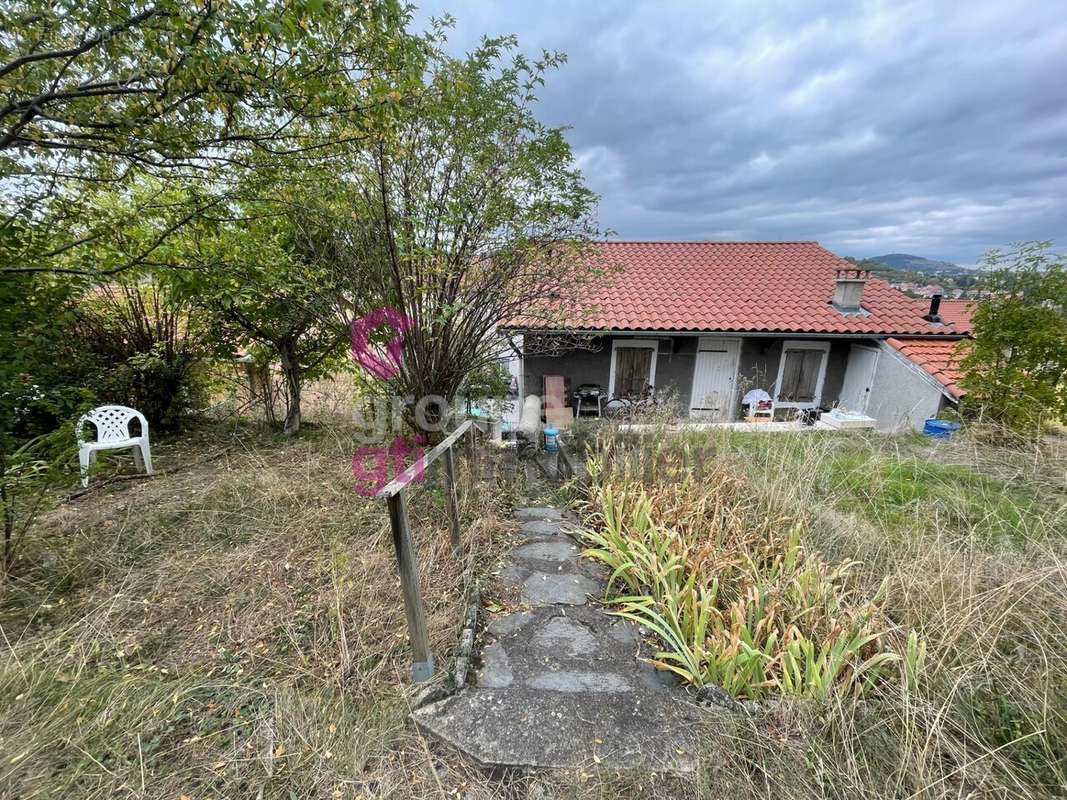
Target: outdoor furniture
column 554, row 391
column 760, row 405
column 112, row 425
column 588, row 393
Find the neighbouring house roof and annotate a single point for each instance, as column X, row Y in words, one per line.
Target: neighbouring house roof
column 957, row 313
column 937, row 357
column 741, row 286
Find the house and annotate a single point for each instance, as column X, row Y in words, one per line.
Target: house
column 707, row 321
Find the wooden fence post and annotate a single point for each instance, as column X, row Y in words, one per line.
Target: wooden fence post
column 422, row 658
column 453, row 502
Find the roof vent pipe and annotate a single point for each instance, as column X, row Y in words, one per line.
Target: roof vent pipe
column 848, row 291
column 934, row 315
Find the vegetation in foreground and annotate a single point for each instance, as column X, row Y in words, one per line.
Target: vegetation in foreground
column 233, row 628
column 230, row 628
column 912, row 591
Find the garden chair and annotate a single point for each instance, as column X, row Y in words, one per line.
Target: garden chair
column 112, row 425
column 760, row 405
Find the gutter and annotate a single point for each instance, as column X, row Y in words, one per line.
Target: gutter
column 661, row 333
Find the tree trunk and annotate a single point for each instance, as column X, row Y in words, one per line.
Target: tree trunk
column 293, row 379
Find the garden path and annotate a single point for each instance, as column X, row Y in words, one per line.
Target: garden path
column 560, row 683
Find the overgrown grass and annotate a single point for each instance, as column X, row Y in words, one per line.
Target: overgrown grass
column 958, row 541
column 235, row 629
column 232, row 628
column 723, row 580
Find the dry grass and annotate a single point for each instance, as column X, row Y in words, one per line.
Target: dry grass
column 970, row 543
column 234, row 629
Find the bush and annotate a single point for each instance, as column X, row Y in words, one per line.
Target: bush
column 143, row 349
column 1014, row 368
column 37, row 399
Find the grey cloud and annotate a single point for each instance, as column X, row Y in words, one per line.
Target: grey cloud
column 933, row 127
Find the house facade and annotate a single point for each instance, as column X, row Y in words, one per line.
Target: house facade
column 705, row 322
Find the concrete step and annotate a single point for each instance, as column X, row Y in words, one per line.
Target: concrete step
column 636, row 729
column 558, row 681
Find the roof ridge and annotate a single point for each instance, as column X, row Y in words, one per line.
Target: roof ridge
column 706, row 241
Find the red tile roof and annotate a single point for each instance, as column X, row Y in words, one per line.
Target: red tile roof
column 939, row 358
column 742, row 286
column 957, row 313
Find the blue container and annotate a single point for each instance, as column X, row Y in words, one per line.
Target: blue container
column 940, row 428
column 551, row 439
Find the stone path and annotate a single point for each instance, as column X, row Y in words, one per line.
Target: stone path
column 560, row 684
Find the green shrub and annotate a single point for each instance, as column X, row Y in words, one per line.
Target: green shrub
column 1013, row 369
column 722, row 579
column 141, row 348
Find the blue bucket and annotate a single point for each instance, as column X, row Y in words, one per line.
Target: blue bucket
column 940, row 428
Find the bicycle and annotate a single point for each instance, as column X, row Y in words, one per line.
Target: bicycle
column 629, row 408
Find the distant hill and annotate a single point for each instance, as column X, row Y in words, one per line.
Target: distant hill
column 902, row 268
column 910, row 263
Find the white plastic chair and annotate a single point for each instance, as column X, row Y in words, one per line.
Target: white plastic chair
column 112, row 425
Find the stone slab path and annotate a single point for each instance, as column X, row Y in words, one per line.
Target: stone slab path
column 560, row 683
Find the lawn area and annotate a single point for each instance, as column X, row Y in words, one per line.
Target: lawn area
column 905, row 482
column 230, row 628
column 930, row 579
column 234, row 628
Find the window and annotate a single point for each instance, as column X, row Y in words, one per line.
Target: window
column 633, row 366
column 801, row 372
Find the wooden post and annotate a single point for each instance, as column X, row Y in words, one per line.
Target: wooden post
column 453, row 503
column 422, row 658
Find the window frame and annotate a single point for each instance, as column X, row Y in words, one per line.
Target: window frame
column 637, row 344
column 802, row 344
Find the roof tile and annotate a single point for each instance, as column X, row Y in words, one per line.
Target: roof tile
column 742, row 286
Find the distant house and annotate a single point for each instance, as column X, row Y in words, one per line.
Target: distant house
column 711, row 320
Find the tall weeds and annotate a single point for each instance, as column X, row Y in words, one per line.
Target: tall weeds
column 951, row 554
column 724, row 582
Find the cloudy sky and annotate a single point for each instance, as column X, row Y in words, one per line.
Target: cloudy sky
column 934, row 128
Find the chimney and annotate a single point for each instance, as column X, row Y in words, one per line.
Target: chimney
column 849, row 290
column 933, row 315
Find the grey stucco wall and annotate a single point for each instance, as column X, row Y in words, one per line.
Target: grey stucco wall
column 676, row 359
column 901, row 397
column 674, row 370
column 587, row 365
column 835, row 370
column 760, row 357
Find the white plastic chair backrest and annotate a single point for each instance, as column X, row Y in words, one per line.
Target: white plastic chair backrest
column 112, row 423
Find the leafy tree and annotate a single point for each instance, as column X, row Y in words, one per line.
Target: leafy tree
column 38, row 399
column 269, row 279
column 141, row 347
column 475, row 214
column 1015, row 367
column 104, row 93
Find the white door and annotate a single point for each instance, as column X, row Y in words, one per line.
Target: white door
column 859, row 377
column 715, row 378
